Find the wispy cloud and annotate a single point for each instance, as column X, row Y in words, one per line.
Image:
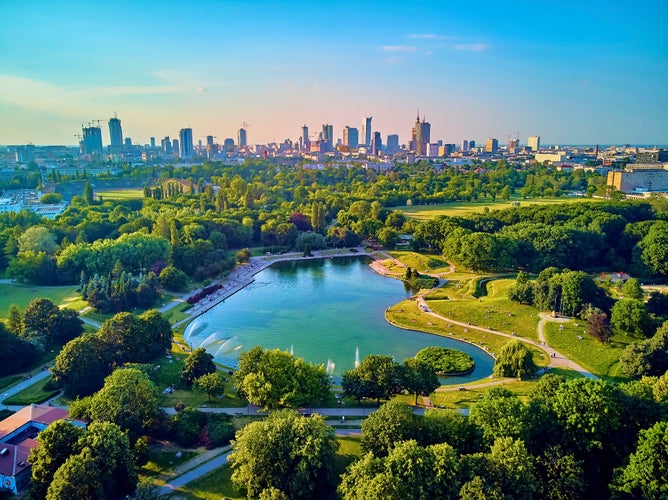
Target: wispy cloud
column 472, row 47
column 431, row 36
column 398, row 48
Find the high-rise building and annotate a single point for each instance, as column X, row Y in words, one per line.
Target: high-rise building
column 175, row 146
column 491, row 146
column 92, row 141
column 115, row 134
column 241, row 138
column 392, row 146
column 327, row 137
column 421, row 135
column 351, row 137
column 228, row 145
column 367, row 131
column 513, row 145
column 534, row 142
column 186, row 141
column 465, row 146
column 376, row 144
column 166, row 144
column 128, row 142
column 306, row 142
column 152, row 140
column 209, row 141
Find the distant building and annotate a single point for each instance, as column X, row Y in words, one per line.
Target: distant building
column 327, row 138
column 306, row 142
column 228, row 145
column 640, row 179
column 555, row 157
column 652, row 156
column 465, row 146
column 17, row 440
column 392, row 146
column 242, row 140
column 432, row 149
column 92, row 141
column 115, row 135
column 351, row 137
column 376, row 144
column 127, row 141
column 491, row 146
column 513, row 145
column 175, row 146
column 367, row 131
column 421, row 135
column 186, row 142
column 25, row 154
column 534, row 142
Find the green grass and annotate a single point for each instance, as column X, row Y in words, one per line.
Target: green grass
column 177, row 313
column 424, row 212
column 492, row 310
column 432, row 264
column 121, row 194
column 162, row 461
column 36, row 393
column 22, row 295
column 10, row 381
column 596, row 357
column 464, row 399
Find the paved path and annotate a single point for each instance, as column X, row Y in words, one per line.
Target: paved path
column 24, row 384
column 196, row 472
column 556, row 359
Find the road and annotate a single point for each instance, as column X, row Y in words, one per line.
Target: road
column 24, row 384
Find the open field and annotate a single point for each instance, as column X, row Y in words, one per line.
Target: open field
column 162, row 460
column 121, row 194
column 22, row 295
column 492, row 310
column 424, row 212
column 600, row 359
column 431, row 264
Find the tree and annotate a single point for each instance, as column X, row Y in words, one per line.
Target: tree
column 88, row 193
column 391, row 423
column 646, row 475
column 376, row 377
column 286, row 451
column 37, row 239
column 173, row 278
column 275, row 378
column 560, row 475
column 213, row 384
column 56, row 443
column 648, row 357
column 198, row 363
column 654, row 248
column 128, row 399
column 16, row 352
column 48, row 325
column 81, row 366
column 630, row 317
column 38, row 316
column 14, row 320
column 243, row 256
column 514, row 360
column 598, row 325
column 450, row 426
column 418, row 377
column 78, row 477
column 499, row 414
column 631, row 289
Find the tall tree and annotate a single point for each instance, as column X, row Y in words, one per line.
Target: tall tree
column 88, row 193
column 198, row 363
column 391, row 423
column 514, row 360
column 418, row 377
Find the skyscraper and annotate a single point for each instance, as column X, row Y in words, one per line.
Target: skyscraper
column 92, row 141
column 392, row 144
column 491, row 146
column 534, row 143
column 241, row 139
column 421, row 135
column 152, row 141
column 228, row 145
column 166, row 145
column 306, row 142
column 115, row 134
column 367, row 131
column 186, row 142
column 376, row 144
column 351, row 137
column 327, row 137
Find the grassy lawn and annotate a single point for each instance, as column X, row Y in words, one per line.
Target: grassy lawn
column 464, row 399
column 424, row 212
column 162, row 460
column 177, row 313
column 600, row 359
column 22, row 295
column 424, row 263
column 493, row 310
column 9, row 381
column 121, row 194
column 36, row 393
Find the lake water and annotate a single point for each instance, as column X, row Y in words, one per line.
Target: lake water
column 327, row 311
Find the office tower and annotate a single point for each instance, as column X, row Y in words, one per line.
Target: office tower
column 166, row 144
column 392, row 144
column 534, row 143
column 305, row 140
column 186, row 141
column 376, row 144
column 513, row 145
column 241, row 139
column 228, row 145
column 491, row 146
column 209, row 141
column 471, row 144
column 327, row 138
column 175, row 146
column 115, row 134
column 367, row 131
column 351, row 137
column 465, row 146
column 127, row 141
column 92, row 140
column 421, row 134
column 152, row 142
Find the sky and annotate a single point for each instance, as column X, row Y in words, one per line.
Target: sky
column 572, row 72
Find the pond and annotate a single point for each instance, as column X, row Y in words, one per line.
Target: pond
column 327, row 311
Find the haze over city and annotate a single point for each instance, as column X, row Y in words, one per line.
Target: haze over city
column 571, row 72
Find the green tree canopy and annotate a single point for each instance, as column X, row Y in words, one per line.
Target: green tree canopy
column 198, row 363
column 514, row 360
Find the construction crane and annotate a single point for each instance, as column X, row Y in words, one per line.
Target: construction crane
column 245, row 125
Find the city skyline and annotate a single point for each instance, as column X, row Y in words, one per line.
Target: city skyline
column 571, row 73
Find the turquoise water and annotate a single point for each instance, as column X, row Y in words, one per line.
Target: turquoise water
column 328, row 311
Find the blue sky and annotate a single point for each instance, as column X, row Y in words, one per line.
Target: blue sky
column 573, row 72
